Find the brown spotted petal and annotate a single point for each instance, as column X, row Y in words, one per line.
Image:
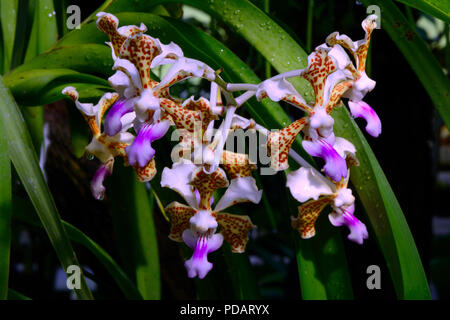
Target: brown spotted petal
column 204, row 107
column 237, row 164
column 182, row 117
column 146, row 173
column 320, row 65
column 307, row 216
column 140, row 49
column 179, row 215
column 337, row 93
column 206, row 184
column 184, row 68
column 108, row 24
column 279, row 144
column 104, row 147
column 235, row 229
column 92, row 114
column 277, row 89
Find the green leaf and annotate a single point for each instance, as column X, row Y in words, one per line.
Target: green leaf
column 25, row 214
column 44, row 32
column 96, row 59
column 5, row 215
column 385, row 214
column 418, row 55
column 25, row 161
column 42, row 86
column 8, row 20
column 135, row 230
column 437, row 8
column 14, row 295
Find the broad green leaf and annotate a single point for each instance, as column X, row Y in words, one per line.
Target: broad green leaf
column 96, row 59
column 418, row 55
column 8, row 20
column 38, row 86
column 5, row 214
column 437, row 8
column 135, row 230
column 25, row 161
column 385, row 214
column 26, row 215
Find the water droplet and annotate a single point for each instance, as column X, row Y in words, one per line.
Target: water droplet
column 237, row 12
column 89, row 156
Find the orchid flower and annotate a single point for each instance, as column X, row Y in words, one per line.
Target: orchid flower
column 362, row 83
column 135, row 53
column 332, row 76
column 196, row 223
column 305, row 184
column 106, row 147
column 327, row 74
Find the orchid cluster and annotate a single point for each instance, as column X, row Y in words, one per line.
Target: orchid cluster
column 141, row 110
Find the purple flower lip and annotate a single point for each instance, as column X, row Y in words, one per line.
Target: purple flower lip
column 113, row 124
column 335, row 166
column 140, row 152
column 358, row 231
column 97, row 188
column 360, row 109
column 202, row 244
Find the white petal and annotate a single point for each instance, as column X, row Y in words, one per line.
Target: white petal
column 340, row 56
column 350, row 43
column 184, row 68
column 127, row 120
column 361, row 87
column 277, row 89
column 344, row 198
column 343, row 147
column 87, row 108
column 145, row 103
column 241, row 189
column 304, row 184
column 122, row 84
column 169, row 54
column 332, row 80
column 125, row 30
column 203, row 221
column 322, row 122
column 241, row 122
column 99, row 150
column 129, row 69
column 178, row 178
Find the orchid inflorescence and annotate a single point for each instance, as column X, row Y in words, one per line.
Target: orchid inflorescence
column 141, row 110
